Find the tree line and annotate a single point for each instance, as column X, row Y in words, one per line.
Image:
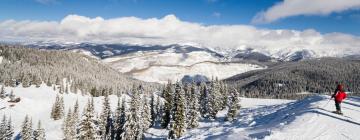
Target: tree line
column 177, row 108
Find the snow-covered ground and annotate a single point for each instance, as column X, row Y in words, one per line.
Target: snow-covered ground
column 37, row 103
column 165, row 66
column 271, row 119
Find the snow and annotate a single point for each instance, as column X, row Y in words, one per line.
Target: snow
column 165, row 66
column 269, row 119
column 37, row 103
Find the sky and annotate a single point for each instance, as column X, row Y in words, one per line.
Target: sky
column 271, row 25
column 207, row 12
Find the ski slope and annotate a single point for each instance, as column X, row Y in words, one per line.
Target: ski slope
column 269, row 119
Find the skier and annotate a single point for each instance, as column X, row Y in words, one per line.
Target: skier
column 339, row 96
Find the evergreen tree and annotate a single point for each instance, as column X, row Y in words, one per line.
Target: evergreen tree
column 120, row 118
column 234, row 105
column 75, row 114
column 224, row 94
column 154, row 110
column 57, row 81
column 6, row 129
column 2, row 92
column 57, row 111
column 133, row 127
column 39, row 133
column 9, row 130
column 48, row 82
column 213, row 99
column 193, row 114
column 146, row 114
column 26, row 130
column 167, row 95
column 105, row 118
column 178, row 125
column 69, row 129
column 87, row 127
column 25, row 81
column 3, row 127
column 204, row 102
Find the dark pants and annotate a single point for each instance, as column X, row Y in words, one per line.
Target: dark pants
column 337, row 105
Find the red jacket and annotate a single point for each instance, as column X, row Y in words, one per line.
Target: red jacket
column 340, row 95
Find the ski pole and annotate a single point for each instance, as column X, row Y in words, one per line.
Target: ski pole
column 327, row 103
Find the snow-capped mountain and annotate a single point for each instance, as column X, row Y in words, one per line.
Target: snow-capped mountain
column 160, row 63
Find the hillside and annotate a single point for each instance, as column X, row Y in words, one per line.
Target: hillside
column 282, row 80
column 33, row 66
column 310, row 118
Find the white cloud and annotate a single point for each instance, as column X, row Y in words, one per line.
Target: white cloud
column 289, row 8
column 171, row 30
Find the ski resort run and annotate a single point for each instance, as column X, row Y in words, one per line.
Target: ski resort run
column 275, row 119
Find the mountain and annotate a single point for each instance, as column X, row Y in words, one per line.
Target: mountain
column 161, row 63
column 282, row 80
column 30, row 66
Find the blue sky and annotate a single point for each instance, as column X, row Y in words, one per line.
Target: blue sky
column 207, row 12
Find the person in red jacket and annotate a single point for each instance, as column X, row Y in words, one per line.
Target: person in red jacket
column 339, row 96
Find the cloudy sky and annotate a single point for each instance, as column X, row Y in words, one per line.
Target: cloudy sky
column 322, row 15
column 213, row 23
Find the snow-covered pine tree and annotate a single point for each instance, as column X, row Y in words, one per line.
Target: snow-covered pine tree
column 25, row 81
column 224, row 94
column 36, row 80
column 234, row 105
column 120, row 119
column 105, row 118
column 9, row 130
column 204, row 100
column 213, row 99
column 57, row 81
column 154, row 110
column 3, row 127
column 69, row 129
column 61, row 88
column 133, row 127
column 48, row 82
column 158, row 108
column 146, row 113
column 75, row 114
column 193, row 114
column 87, row 127
column 178, row 125
column 26, row 130
column 57, row 111
column 39, row 133
column 2, row 92
column 167, row 95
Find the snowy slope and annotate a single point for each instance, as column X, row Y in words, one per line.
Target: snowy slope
column 37, row 103
column 258, row 119
column 308, row 119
